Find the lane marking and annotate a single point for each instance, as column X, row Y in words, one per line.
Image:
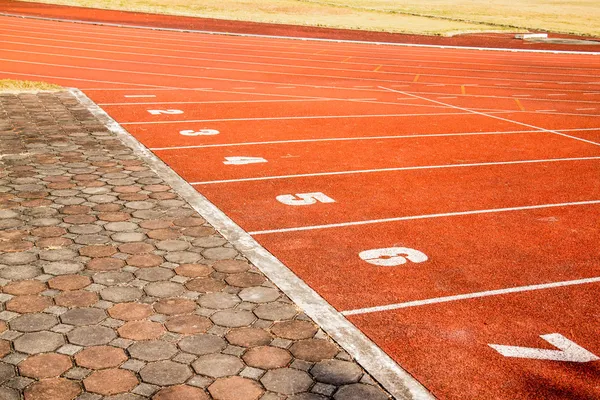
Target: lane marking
column 303, row 117
column 569, row 350
column 413, row 168
column 416, row 79
column 201, row 146
column 227, row 101
column 378, row 68
column 426, row 216
column 392, row 256
column 304, row 199
column 493, row 116
column 467, row 296
column 585, row 109
column 463, row 89
column 138, row 96
column 346, row 59
column 375, row 361
column 519, row 104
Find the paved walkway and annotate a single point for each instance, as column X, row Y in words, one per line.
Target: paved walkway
column 115, row 288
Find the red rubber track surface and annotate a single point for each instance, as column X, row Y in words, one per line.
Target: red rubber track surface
column 218, row 25
column 487, row 163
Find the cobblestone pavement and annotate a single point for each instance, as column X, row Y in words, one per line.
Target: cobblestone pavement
column 114, row 288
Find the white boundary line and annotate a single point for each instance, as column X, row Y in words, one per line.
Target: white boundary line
column 390, row 375
column 426, row 216
column 430, row 46
column 466, row 296
column 411, row 168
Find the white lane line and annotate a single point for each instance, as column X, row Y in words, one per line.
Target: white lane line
column 202, row 146
column 448, row 98
column 487, row 293
column 585, row 109
column 545, row 111
column 224, row 101
column 298, row 117
column 244, row 88
column 556, row 94
column 413, row 168
column 135, row 96
column 427, row 216
column 494, row 116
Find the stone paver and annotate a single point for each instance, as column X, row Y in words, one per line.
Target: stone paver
column 114, row 288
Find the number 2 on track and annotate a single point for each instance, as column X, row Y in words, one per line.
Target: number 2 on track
column 168, row 112
column 304, row 199
column 392, row 256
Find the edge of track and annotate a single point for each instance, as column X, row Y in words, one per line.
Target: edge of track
column 376, row 362
column 155, row 28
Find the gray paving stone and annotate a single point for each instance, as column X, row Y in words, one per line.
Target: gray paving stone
column 164, row 289
column 7, row 372
column 336, row 372
column 153, row 350
column 38, row 342
column 91, row 335
column 219, row 253
column 287, row 381
column 121, row 226
column 9, row 394
column 20, row 272
column 218, row 300
column 128, row 237
column 358, row 391
column 182, row 257
column 62, row 268
column 91, row 239
column 259, row 294
column 172, row 245
column 33, row 322
column 17, row 258
column 83, row 316
column 233, row 318
column 165, row 373
column 57, row 255
column 121, row 294
column 112, row 278
column 276, row 311
column 202, row 344
column 217, row 365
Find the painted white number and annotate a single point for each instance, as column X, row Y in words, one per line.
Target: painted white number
column 201, row 132
column 171, row 112
column 304, row 199
column 569, row 351
column 243, row 160
column 392, row 256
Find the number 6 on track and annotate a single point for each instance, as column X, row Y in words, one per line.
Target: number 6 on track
column 392, row 256
column 304, row 199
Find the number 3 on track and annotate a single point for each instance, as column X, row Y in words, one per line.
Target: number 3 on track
column 392, row 256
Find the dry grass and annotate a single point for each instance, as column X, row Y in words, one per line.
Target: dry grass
column 9, row 85
column 440, row 17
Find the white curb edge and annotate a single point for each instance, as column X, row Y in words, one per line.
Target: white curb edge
column 382, row 368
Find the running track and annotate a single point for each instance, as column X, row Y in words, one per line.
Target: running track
column 446, row 201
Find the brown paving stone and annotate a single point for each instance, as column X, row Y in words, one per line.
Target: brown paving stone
column 205, row 285
column 48, row 365
column 24, row 287
column 4, row 347
column 37, row 203
column 76, row 298
column 249, row 337
column 181, row 392
column 53, row 243
column 96, row 251
column 114, row 216
column 69, row 282
column 267, row 357
column 130, row 311
column 141, row 330
column 156, row 224
column 48, row 231
column 110, row 381
column 12, row 235
column 28, row 304
column 231, row 266
column 127, row 189
column 145, row 260
column 164, row 234
column 105, row 264
column 163, row 196
column 286, row 381
column 165, row 373
column 198, row 231
column 294, row 330
column 188, row 324
column 136, row 248
column 100, row 357
column 174, row 306
column 61, row 185
column 15, row 246
column 76, row 209
column 157, row 188
column 314, row 350
column 108, row 207
column 235, row 388
column 245, row 279
column 133, row 197
column 53, row 389
column 189, row 222
column 193, row 270
column 3, row 326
